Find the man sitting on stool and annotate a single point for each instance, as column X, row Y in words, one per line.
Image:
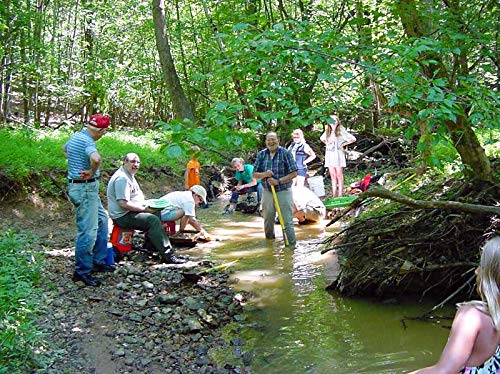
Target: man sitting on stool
column 307, row 206
column 127, row 209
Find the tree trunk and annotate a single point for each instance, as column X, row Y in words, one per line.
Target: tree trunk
column 464, row 139
column 180, row 104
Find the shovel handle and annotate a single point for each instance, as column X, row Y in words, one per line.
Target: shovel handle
column 280, row 216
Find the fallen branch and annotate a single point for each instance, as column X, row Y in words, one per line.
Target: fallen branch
column 371, row 150
column 430, row 204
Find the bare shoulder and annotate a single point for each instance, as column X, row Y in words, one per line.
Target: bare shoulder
column 472, row 314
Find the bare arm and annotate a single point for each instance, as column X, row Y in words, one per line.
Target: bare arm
column 95, row 162
column 457, row 351
column 311, row 156
column 240, row 185
column 133, row 206
column 262, row 175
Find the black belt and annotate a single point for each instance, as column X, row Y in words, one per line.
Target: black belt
column 82, row 180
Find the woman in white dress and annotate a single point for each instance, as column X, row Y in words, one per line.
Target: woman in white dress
column 336, row 139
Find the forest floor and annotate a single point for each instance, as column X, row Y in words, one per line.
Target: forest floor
column 144, row 318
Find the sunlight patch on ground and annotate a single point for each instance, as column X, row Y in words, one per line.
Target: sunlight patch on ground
column 64, row 252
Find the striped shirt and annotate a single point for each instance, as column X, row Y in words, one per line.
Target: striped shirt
column 78, row 150
column 281, row 165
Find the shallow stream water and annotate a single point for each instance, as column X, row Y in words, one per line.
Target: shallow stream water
column 293, row 324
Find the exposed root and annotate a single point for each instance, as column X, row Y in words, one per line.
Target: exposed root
column 407, row 251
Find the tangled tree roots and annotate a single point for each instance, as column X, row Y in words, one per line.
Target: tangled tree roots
column 409, row 252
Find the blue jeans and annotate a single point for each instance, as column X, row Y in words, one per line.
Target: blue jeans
column 92, row 225
column 257, row 188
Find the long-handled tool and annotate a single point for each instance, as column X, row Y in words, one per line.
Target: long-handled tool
column 280, row 216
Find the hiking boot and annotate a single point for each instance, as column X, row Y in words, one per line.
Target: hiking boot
column 252, row 198
column 171, row 259
column 86, row 279
column 229, row 209
column 103, row 268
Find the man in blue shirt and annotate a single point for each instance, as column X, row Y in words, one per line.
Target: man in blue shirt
column 83, row 190
column 276, row 167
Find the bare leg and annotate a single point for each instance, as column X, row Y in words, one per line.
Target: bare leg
column 340, row 180
column 299, row 181
column 333, row 178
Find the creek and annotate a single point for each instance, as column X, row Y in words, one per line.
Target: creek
column 293, row 325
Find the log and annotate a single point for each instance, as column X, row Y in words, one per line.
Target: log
column 430, row 204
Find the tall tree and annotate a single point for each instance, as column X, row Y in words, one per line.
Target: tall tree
column 445, row 73
column 180, row 104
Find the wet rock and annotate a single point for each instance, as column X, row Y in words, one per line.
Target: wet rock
column 192, row 325
column 193, row 303
column 167, row 299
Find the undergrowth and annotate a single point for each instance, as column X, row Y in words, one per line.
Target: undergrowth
column 35, row 158
column 19, row 275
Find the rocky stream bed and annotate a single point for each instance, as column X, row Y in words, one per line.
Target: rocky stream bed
column 144, row 318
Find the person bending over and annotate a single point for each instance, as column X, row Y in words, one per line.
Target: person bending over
column 183, row 205
column 247, row 184
column 307, row 206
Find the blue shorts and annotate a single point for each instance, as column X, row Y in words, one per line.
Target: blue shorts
column 168, row 215
column 302, row 172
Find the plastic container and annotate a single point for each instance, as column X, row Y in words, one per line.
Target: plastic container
column 169, row 227
column 110, row 257
column 338, row 202
column 121, row 239
column 317, row 185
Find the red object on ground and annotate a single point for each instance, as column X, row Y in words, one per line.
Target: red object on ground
column 169, row 227
column 121, row 239
column 363, row 186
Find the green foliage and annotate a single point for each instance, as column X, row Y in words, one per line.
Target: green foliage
column 30, row 152
column 248, row 68
column 38, row 154
column 19, row 276
column 219, row 142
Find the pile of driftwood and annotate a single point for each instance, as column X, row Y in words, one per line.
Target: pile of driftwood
column 417, row 247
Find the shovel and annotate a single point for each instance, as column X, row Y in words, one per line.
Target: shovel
column 195, row 277
column 280, row 216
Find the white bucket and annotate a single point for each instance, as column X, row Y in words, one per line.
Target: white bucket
column 316, row 185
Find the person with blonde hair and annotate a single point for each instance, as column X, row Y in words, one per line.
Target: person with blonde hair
column 336, row 139
column 246, row 184
column 303, row 154
column 474, row 342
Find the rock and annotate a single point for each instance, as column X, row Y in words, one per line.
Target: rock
column 193, row 303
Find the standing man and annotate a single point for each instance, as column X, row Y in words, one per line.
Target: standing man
column 83, row 190
column 276, row 167
column 127, row 208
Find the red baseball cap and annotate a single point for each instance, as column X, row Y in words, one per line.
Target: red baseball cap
column 99, row 121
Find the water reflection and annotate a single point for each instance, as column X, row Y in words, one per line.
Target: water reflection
column 301, row 327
